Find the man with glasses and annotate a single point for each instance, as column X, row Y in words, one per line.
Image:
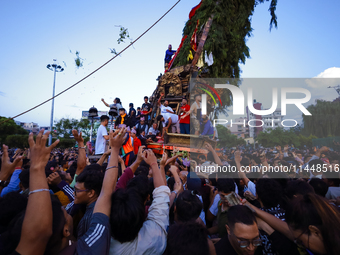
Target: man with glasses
column 243, row 234
column 86, row 192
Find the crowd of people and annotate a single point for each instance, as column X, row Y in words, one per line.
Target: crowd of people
column 147, row 128
column 56, row 201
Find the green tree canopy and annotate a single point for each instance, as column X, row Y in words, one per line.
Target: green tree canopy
column 325, row 119
column 10, row 128
column 226, row 138
column 227, row 37
column 280, row 136
column 64, row 127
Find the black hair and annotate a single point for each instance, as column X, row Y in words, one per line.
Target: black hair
column 240, row 214
column 212, row 178
column 141, row 184
column 138, row 108
column 171, row 182
column 92, row 179
column 118, row 100
column 72, row 169
column 225, row 185
column 11, row 204
column 257, row 160
column 146, row 97
column 127, row 214
column 333, row 177
column 188, row 206
column 319, row 186
column 104, row 117
column 245, row 162
column 313, row 164
column 187, row 238
column 58, row 223
column 131, row 104
column 269, row 191
column 311, row 209
column 24, row 178
column 159, row 117
column 298, row 187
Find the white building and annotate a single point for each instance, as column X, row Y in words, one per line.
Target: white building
column 239, row 127
column 272, row 121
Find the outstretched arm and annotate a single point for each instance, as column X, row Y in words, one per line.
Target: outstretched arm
column 105, row 102
column 103, row 204
column 37, row 225
column 81, row 162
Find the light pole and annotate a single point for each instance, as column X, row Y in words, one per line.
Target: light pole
column 93, row 112
column 55, row 68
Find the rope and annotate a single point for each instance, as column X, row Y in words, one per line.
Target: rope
column 95, row 69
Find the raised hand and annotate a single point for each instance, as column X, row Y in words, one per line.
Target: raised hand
column 237, row 156
column 54, row 179
column 77, row 137
column 39, row 152
column 7, row 167
column 164, row 159
column 149, row 157
column 117, row 138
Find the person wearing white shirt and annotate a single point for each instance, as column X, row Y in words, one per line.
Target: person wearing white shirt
column 169, row 121
column 102, row 135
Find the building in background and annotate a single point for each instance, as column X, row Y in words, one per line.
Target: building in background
column 272, row 121
column 254, row 131
column 29, row 126
column 239, row 127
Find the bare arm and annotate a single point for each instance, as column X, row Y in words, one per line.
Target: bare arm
column 103, row 204
column 105, row 102
column 241, row 174
column 103, row 157
column 81, row 162
column 216, row 157
column 158, row 175
column 7, row 168
column 37, row 224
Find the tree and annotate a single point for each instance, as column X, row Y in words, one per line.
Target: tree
column 225, row 42
column 226, row 138
column 325, row 119
column 10, row 128
column 227, row 36
column 280, row 136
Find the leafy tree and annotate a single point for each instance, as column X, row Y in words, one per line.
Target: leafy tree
column 324, row 121
column 226, row 138
column 280, row 136
column 10, row 128
column 228, row 33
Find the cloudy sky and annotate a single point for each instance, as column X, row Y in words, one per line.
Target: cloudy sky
column 305, row 45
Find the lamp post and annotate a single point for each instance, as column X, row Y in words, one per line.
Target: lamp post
column 55, row 68
column 93, row 112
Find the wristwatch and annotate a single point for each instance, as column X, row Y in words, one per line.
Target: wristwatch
column 3, row 183
column 174, row 191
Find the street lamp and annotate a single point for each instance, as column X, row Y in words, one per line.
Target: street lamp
column 93, row 112
column 55, row 68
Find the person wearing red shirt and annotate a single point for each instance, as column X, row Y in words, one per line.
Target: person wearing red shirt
column 184, row 123
column 136, row 141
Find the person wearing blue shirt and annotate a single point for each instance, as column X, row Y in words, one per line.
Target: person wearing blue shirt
column 208, row 128
column 168, row 55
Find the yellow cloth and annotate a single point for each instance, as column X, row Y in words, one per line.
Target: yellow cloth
column 62, row 198
column 122, row 120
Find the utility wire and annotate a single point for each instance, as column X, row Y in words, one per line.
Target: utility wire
column 95, row 69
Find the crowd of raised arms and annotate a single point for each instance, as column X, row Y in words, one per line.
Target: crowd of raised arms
column 55, row 201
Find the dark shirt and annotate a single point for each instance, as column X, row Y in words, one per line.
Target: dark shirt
column 85, row 222
column 168, row 55
column 127, row 121
column 208, row 128
column 146, row 107
column 224, row 247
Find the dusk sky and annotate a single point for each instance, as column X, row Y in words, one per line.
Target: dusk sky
column 33, row 33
